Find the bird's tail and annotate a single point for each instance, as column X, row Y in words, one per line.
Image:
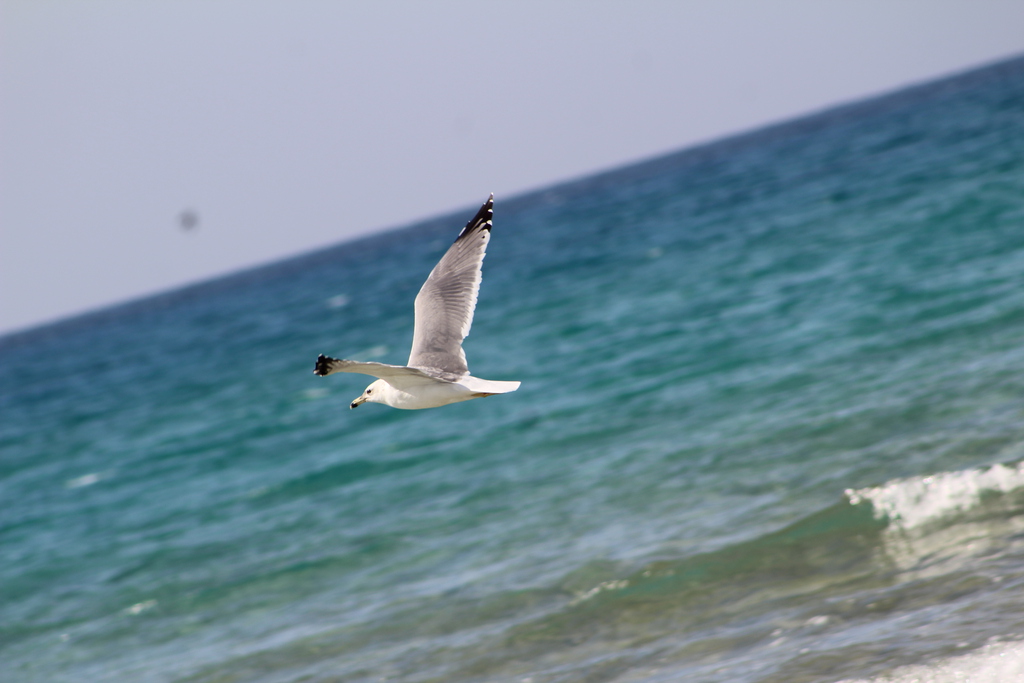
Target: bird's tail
column 488, row 386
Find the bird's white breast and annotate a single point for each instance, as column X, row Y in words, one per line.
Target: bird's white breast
column 430, row 395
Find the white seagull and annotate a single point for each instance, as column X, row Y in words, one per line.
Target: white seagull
column 437, row 373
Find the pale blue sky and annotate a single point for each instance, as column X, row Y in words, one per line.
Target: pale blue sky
column 293, row 125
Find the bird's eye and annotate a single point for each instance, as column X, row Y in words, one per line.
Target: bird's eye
column 369, row 391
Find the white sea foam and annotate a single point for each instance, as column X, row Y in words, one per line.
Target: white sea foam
column 993, row 663
column 84, row 480
column 370, row 353
column 315, row 393
column 338, row 301
column 915, row 501
column 613, row 585
column 139, row 607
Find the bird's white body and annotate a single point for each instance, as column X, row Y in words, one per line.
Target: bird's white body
column 437, row 373
column 432, row 394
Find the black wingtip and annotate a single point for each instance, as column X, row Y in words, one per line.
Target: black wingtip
column 482, row 219
column 322, row 367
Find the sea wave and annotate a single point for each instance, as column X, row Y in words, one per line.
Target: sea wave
column 789, row 601
column 935, row 530
column 917, row 501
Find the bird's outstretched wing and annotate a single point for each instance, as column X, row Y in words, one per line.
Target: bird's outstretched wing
column 325, row 365
column 445, row 304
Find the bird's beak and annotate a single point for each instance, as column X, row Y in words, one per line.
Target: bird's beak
column 361, row 399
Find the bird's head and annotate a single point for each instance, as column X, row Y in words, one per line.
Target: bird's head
column 373, row 394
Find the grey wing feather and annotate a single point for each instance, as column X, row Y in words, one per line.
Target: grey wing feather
column 445, row 303
column 325, row 365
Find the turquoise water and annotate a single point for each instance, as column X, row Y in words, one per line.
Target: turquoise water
column 769, row 430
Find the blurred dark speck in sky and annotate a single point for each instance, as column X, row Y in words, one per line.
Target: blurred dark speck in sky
column 188, row 219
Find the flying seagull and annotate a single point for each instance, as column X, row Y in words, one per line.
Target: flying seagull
column 437, row 373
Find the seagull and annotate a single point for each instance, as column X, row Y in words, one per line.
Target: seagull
column 437, row 373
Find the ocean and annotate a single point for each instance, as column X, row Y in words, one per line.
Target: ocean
column 770, row 429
